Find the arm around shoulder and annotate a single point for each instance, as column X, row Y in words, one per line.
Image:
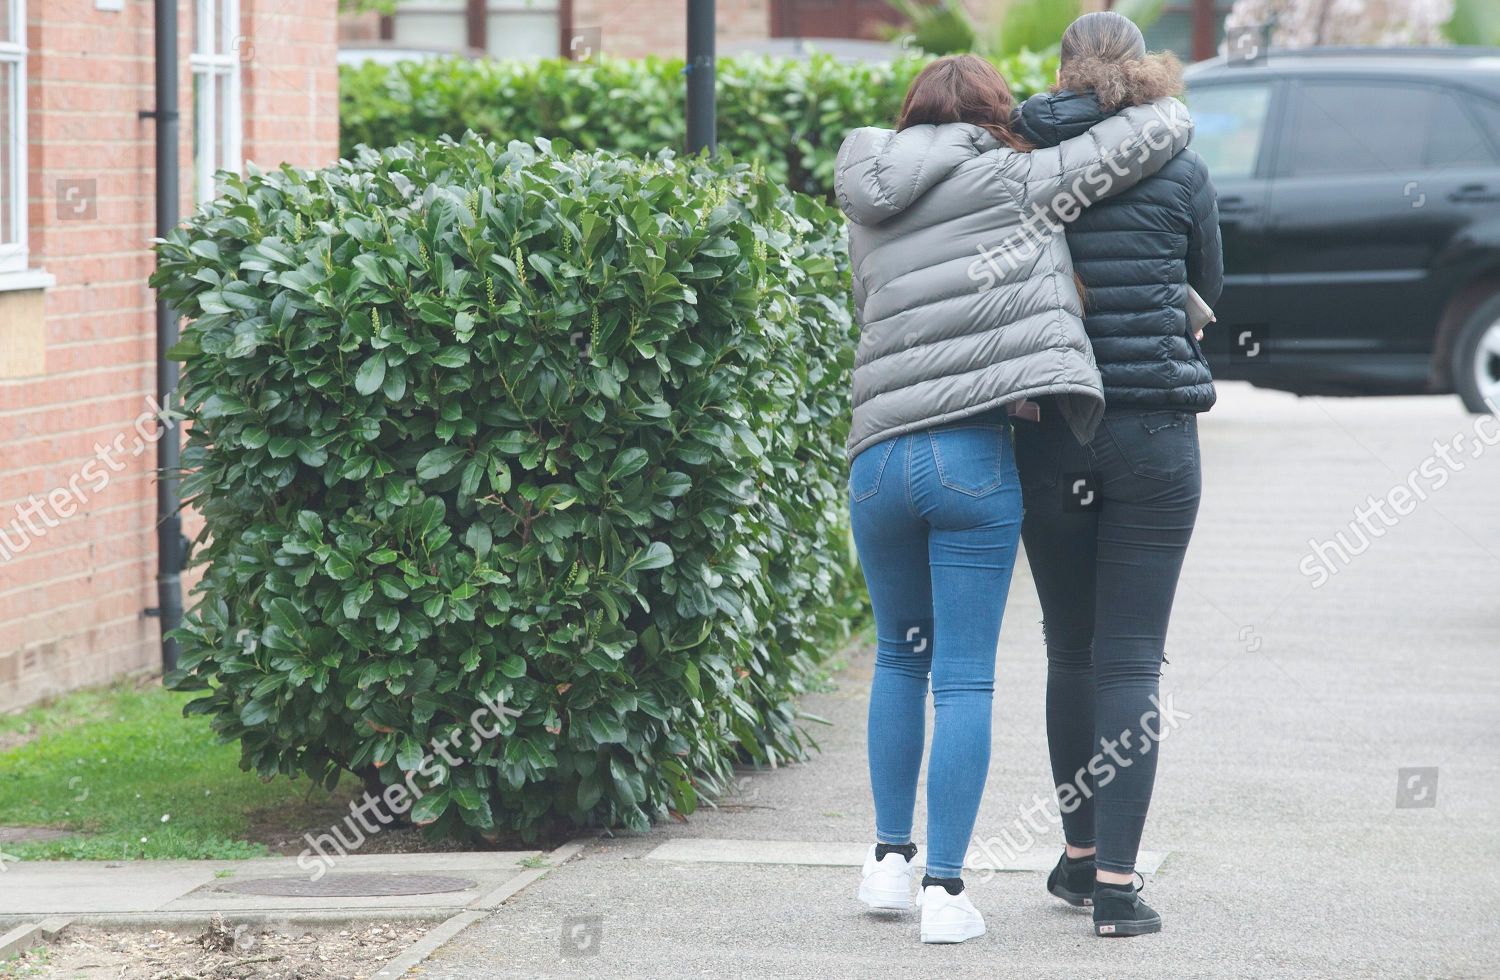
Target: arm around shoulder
column 1117, row 153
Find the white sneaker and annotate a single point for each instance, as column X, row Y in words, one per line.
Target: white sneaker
column 948, row 918
column 886, row 884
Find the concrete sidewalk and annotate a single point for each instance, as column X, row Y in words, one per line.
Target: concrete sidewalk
column 1292, row 844
column 157, row 893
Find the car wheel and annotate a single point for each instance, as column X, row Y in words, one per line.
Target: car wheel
column 1476, row 359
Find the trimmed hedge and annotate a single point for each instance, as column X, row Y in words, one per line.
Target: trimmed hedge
column 556, row 428
column 789, row 113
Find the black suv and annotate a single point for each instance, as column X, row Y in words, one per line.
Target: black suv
column 1359, row 198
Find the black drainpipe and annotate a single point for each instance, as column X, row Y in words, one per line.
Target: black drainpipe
column 702, row 128
column 171, row 546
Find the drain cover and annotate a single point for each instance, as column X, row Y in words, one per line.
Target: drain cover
column 336, row 885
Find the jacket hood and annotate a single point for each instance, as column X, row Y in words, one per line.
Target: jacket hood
column 1048, row 118
column 880, row 173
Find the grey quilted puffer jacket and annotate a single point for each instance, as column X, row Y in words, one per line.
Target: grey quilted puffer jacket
column 963, row 285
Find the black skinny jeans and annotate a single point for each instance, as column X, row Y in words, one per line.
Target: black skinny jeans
column 1106, row 529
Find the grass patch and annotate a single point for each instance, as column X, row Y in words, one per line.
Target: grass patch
column 122, row 766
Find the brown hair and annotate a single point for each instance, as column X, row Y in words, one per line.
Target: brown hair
column 967, row 88
column 962, row 88
column 1104, row 53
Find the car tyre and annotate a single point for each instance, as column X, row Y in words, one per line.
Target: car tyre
column 1476, row 359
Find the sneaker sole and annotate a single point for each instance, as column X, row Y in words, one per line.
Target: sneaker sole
column 1073, row 898
column 885, row 899
column 1127, row 927
column 951, row 934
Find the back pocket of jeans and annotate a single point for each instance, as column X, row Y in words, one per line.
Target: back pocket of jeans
column 970, row 458
column 868, row 467
column 1156, row 445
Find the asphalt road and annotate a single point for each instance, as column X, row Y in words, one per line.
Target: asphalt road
column 1277, row 799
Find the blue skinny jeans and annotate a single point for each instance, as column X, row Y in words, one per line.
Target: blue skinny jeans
column 937, row 521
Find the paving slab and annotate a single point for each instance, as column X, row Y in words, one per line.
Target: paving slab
column 173, row 890
column 717, row 850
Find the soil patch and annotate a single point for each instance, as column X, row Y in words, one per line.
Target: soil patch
column 220, row 952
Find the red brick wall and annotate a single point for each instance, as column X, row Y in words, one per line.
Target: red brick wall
column 71, row 600
column 291, row 82
column 632, row 28
column 629, row 28
column 360, row 28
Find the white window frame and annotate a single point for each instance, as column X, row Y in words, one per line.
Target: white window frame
column 14, row 170
column 216, row 69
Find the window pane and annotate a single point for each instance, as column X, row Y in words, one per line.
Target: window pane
column 1358, row 127
column 203, row 37
column 523, row 35
column 229, row 29
column 1228, row 123
column 1453, row 139
column 203, row 141
column 8, row 151
column 227, row 119
column 447, row 31
column 1489, row 114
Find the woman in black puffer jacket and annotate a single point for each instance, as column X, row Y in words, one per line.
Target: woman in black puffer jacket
column 1107, row 524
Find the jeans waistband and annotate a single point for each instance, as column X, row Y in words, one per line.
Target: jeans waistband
column 990, row 416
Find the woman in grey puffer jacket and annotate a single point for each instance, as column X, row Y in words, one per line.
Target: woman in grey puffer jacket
column 967, row 304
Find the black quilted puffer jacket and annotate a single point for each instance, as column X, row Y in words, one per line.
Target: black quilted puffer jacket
column 1137, row 252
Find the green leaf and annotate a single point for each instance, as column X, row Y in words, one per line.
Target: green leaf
column 435, row 462
column 658, row 554
column 429, row 808
column 479, row 539
column 589, row 792
column 628, row 462
column 283, row 613
column 451, row 357
column 629, row 786
column 371, row 375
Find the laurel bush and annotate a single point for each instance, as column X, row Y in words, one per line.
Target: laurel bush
column 791, row 114
column 554, row 429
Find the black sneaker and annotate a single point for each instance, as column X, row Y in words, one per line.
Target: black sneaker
column 1119, row 911
column 1073, row 880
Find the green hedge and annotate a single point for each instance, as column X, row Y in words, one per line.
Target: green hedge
column 791, row 114
column 557, row 428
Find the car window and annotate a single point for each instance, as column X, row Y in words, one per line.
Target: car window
column 1228, row 122
column 1489, row 115
column 1453, row 139
column 1359, row 127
